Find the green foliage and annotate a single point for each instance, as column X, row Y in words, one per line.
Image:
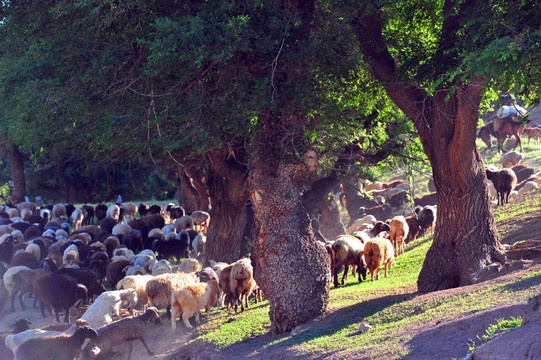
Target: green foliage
column 501, row 327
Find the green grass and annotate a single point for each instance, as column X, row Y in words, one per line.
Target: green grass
column 389, row 305
column 500, row 328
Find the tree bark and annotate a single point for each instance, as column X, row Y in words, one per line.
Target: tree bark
column 286, row 246
column 465, row 239
column 231, row 218
column 16, row 161
column 331, row 225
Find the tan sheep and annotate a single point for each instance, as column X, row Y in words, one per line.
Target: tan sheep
column 138, row 283
column 398, row 234
column 241, row 282
column 160, row 288
column 190, row 299
column 378, row 252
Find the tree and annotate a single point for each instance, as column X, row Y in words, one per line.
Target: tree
column 432, row 77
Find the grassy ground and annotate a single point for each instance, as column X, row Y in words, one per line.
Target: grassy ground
column 389, row 305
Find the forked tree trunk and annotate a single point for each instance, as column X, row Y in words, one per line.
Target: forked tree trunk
column 231, row 219
column 290, row 267
column 465, row 239
column 16, row 161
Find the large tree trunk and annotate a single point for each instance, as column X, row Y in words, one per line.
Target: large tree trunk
column 331, row 222
column 192, row 193
column 16, row 161
column 465, row 239
column 231, row 215
column 291, row 268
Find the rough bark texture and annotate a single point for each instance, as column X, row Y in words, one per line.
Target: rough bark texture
column 231, row 215
column 16, row 161
column 291, row 268
column 465, row 239
column 192, row 194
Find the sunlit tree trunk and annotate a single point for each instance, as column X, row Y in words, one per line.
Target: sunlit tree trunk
column 16, row 161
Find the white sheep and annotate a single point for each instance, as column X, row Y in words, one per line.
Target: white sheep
column 189, row 265
column 33, row 249
column 107, row 306
column 121, row 229
column 77, row 218
column 184, row 222
column 137, row 283
column 162, row 267
column 14, row 341
column 199, row 244
column 157, row 233
column 369, row 186
column 8, row 277
column 71, row 255
column 146, row 261
column 357, row 224
column 511, row 159
column 528, row 186
column 113, row 212
column 59, row 211
column 12, row 212
column 124, row 252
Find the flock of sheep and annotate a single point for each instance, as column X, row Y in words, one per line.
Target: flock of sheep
column 126, row 266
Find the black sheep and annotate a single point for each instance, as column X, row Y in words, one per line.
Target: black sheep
column 133, row 241
column 143, row 209
column 154, row 221
column 98, row 261
column 88, row 211
column 6, row 249
column 70, row 208
column 504, row 181
column 101, row 212
column 86, row 277
column 61, row 291
column 171, row 248
column 155, row 209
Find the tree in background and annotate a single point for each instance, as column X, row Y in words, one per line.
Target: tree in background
column 434, row 60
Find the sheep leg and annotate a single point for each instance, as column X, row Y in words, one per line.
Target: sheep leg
column 197, row 314
column 185, row 317
column 21, row 295
column 345, row 276
column 145, row 345
column 13, row 294
column 174, row 316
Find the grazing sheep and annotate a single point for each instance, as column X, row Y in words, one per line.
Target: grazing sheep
column 190, row 299
column 369, row 186
column 56, row 347
column 107, row 307
column 77, row 218
column 121, row 229
column 383, row 212
column 23, row 282
column 160, row 288
column 8, row 277
column 528, row 186
column 522, row 172
column 60, row 291
column 378, row 252
column 426, row 216
column 171, row 248
column 345, row 251
column 511, row 159
column 198, row 245
column 88, row 212
column 188, row 266
column 146, row 261
column 398, row 233
column 504, row 181
column 86, row 277
column 137, row 283
column 534, row 133
column 59, row 211
column 429, row 199
column 116, row 271
column 121, row 331
column 358, row 224
column 241, row 282
column 113, row 212
column 70, row 255
column 183, row 223
column 143, row 209
column 162, row 266
column 129, row 208
column 413, row 226
column 201, row 219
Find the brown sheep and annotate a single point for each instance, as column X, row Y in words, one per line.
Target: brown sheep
column 504, row 181
column 127, row 329
column 414, row 227
column 56, row 347
column 160, row 288
column 378, row 252
column 242, row 282
column 346, row 252
column 190, row 299
column 398, row 233
column 225, row 287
